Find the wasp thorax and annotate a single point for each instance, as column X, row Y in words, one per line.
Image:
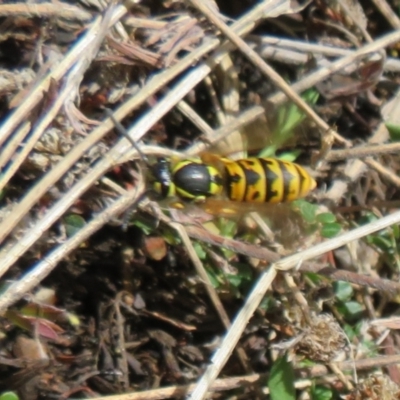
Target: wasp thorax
column 188, row 179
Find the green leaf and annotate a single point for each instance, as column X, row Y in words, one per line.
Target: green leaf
column 305, row 363
column 213, row 279
column 396, row 231
column 227, row 227
column 372, row 348
column 394, row 131
column 9, row 396
column 243, row 275
column 269, row 151
column 199, row 250
column 353, row 331
column 326, row 218
column 367, row 218
column 281, row 380
column 343, row 290
column 73, row 224
column 321, row 393
column 311, row 96
column 351, row 309
column 144, row 226
column 330, row 230
column 382, row 242
column 354, row 308
column 234, row 280
column 289, row 155
column 170, row 236
column 267, row 303
column 290, row 116
column 314, row 277
column 307, row 210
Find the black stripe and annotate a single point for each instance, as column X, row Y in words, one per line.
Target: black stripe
column 251, row 177
column 302, row 178
column 270, row 178
column 243, row 198
column 230, row 179
column 286, row 177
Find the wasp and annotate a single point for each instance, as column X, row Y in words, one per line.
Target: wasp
column 250, row 180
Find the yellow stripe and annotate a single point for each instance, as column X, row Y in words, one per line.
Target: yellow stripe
column 216, row 181
column 236, row 181
column 182, row 163
column 307, row 182
column 291, row 181
column 273, row 180
column 255, row 180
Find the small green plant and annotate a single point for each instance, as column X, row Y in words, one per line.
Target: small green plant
column 288, row 118
column 350, row 309
column 386, row 240
column 321, row 393
column 394, row 131
column 281, row 380
column 325, row 222
column 73, row 224
column 9, row 396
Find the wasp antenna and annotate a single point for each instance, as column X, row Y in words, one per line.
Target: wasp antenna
column 121, row 129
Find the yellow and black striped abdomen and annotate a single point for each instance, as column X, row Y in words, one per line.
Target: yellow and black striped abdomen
column 266, row 180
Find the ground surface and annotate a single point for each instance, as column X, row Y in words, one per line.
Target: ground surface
column 97, row 301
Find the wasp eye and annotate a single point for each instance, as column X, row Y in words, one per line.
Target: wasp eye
column 162, row 178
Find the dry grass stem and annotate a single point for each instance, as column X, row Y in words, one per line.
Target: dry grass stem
column 32, row 278
column 191, row 84
column 264, row 283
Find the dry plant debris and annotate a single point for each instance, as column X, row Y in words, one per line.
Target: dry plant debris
column 107, row 291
